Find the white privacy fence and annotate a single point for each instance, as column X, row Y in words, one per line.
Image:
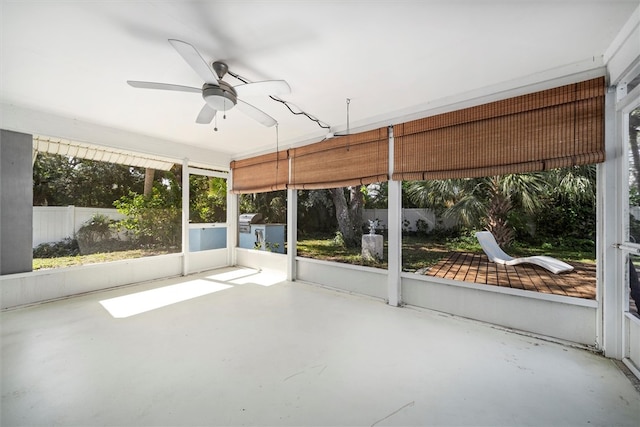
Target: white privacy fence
column 410, row 219
column 55, row 223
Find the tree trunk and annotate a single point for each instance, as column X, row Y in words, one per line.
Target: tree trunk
column 497, row 213
column 356, row 204
column 149, row 174
column 349, row 214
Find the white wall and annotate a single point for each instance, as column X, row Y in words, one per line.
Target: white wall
column 207, row 260
column 261, row 259
column 44, row 285
column 362, row 280
column 50, row 284
column 559, row 317
column 564, row 318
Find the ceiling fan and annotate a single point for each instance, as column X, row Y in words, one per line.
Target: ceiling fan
column 218, row 94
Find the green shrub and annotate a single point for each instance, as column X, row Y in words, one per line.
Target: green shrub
column 96, row 230
column 634, row 229
column 151, row 220
column 338, row 240
column 405, row 226
column 422, row 227
column 66, row 247
column 577, row 221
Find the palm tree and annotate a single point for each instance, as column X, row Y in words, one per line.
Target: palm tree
column 573, row 185
column 483, row 203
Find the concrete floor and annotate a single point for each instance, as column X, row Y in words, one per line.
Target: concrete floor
column 238, row 347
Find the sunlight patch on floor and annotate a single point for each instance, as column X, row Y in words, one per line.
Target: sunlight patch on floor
column 236, row 273
column 250, row 276
column 141, row 302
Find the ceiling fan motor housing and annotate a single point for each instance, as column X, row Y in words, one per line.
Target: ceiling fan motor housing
column 220, row 98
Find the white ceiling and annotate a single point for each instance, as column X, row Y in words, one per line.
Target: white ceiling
column 392, row 59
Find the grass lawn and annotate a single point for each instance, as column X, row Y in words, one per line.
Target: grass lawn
column 417, row 252
column 422, row 252
column 69, row 261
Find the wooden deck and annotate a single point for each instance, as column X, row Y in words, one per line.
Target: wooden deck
column 476, row 268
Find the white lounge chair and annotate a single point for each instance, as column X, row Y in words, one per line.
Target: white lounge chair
column 497, row 255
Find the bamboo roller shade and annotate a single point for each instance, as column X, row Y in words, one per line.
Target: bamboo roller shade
column 554, row 128
column 260, row 174
column 549, row 129
column 357, row 159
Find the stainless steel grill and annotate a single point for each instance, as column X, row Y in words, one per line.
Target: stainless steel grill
column 245, row 221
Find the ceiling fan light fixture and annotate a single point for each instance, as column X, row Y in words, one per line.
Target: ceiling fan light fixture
column 217, row 94
column 220, row 98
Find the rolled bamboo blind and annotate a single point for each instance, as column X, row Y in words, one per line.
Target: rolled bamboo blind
column 549, row 129
column 554, row 128
column 357, row 159
column 260, row 174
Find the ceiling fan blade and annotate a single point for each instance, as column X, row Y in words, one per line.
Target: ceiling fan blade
column 256, row 113
column 266, row 87
column 194, row 59
column 206, row 115
column 163, row 86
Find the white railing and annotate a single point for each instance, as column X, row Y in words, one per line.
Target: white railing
column 55, row 223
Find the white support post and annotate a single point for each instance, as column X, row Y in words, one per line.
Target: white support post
column 232, row 222
column 292, row 233
column 610, row 275
column 395, row 233
column 185, row 216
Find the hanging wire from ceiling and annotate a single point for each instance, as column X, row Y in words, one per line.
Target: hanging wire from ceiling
column 348, row 102
column 333, row 135
column 295, row 111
